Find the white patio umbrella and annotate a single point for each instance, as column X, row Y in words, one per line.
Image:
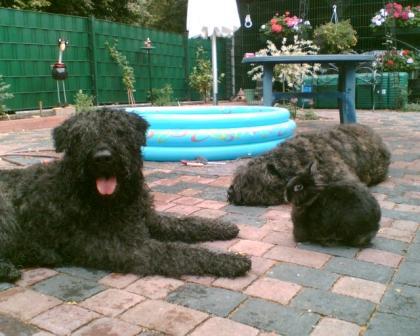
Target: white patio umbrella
column 212, row 18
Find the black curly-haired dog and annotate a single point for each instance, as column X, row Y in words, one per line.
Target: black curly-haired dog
column 92, row 209
column 347, row 151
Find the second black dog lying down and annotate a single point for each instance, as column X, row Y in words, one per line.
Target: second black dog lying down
column 337, row 213
column 348, row 151
column 92, row 209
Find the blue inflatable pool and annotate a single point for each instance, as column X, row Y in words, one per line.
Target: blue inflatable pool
column 213, row 132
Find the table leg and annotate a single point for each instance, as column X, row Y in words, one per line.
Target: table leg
column 268, row 84
column 347, row 88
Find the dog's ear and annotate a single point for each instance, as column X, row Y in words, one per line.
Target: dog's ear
column 60, row 136
column 140, row 127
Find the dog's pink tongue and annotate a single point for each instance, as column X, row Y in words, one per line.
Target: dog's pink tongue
column 106, row 186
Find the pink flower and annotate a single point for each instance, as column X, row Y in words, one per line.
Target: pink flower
column 404, row 15
column 276, row 28
column 273, row 21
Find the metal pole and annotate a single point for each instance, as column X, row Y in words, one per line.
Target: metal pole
column 150, row 76
column 214, row 63
column 232, row 63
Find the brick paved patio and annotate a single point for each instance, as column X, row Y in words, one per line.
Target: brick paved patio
column 293, row 289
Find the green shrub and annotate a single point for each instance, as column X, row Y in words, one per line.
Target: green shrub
column 4, row 95
column 83, row 102
column 163, row 96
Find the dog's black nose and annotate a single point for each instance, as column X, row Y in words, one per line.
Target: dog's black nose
column 103, row 155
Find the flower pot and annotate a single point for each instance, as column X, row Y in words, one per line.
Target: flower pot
column 249, row 95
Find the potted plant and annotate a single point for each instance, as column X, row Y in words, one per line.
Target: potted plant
column 284, row 26
column 394, row 15
column 335, row 38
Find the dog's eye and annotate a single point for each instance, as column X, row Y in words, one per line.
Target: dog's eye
column 297, row 187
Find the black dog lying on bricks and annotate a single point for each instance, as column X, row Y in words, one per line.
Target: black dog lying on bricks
column 92, row 209
column 348, row 151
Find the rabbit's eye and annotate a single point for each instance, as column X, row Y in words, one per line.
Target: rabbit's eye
column 298, row 187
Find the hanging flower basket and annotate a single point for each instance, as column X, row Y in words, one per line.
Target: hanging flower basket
column 284, row 26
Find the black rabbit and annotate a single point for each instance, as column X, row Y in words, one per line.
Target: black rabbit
column 336, row 213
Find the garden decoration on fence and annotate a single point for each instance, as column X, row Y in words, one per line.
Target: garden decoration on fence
column 59, row 70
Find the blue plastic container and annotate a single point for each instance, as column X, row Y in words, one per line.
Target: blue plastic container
column 213, row 132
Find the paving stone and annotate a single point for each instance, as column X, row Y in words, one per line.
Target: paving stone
column 68, row 288
column 392, row 325
column 282, row 238
column 118, row 280
column 111, row 302
column 298, row 256
column 402, row 215
column 270, row 316
column 335, row 305
column 154, row 287
column 217, row 301
column 359, row 269
column 251, row 247
column 32, row 276
column 392, row 233
column 210, row 204
column 224, row 327
column 213, row 193
column 25, row 303
column 360, row 288
column 182, row 210
column 162, row 197
column 402, row 300
column 413, row 253
column 188, row 200
column 329, row 326
column 10, row 327
column 390, row 245
column 261, row 265
column 379, row 257
column 84, row 273
column 108, row 327
column 64, row 319
column 408, row 273
column 305, row 276
column 339, row 251
column 236, row 284
column 244, row 219
column 273, row 290
column 253, row 233
column 5, row 285
column 210, row 213
column 165, row 317
column 248, row 210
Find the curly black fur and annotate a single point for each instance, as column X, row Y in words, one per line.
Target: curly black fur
column 92, row 209
column 337, row 213
column 350, row 151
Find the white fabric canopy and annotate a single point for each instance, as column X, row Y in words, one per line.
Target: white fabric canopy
column 211, row 18
column 208, row 16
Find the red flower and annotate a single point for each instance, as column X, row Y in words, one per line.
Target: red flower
column 390, row 63
column 273, row 21
column 276, row 28
column 405, row 52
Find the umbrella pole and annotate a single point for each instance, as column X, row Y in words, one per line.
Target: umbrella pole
column 214, row 63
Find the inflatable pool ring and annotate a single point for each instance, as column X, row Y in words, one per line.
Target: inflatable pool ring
column 213, row 132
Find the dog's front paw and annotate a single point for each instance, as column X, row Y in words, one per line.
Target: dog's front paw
column 233, row 265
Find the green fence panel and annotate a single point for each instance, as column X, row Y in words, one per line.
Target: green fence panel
column 28, row 49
